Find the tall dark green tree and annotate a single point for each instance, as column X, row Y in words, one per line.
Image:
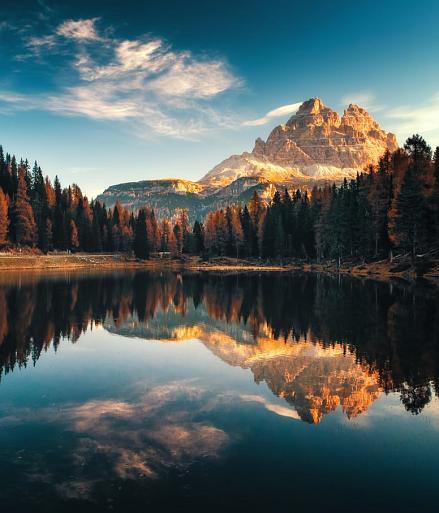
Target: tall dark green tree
column 198, row 238
column 40, row 207
column 59, row 221
column 248, row 231
column 25, row 228
column 141, row 245
column 409, row 212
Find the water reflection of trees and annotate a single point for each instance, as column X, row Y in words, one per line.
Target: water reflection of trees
column 394, row 329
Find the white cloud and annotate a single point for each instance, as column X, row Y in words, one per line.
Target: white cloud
column 47, row 41
column 363, row 99
column 144, row 82
column 282, row 111
column 421, row 118
column 93, row 102
column 187, row 77
column 79, row 29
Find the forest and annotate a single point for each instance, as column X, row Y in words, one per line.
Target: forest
column 390, row 208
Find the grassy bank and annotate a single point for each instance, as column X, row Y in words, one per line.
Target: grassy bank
column 400, row 268
column 16, row 261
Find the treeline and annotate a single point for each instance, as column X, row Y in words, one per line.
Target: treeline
column 36, row 213
column 394, row 206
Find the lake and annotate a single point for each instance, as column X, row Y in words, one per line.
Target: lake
column 274, row 392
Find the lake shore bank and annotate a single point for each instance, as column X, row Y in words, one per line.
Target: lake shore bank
column 381, row 270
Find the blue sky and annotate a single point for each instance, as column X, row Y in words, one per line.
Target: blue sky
column 106, row 92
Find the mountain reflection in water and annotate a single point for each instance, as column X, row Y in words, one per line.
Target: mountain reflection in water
column 318, row 342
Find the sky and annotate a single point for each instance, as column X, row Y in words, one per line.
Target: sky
column 105, row 92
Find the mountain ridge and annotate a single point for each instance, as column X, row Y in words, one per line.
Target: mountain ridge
column 314, row 147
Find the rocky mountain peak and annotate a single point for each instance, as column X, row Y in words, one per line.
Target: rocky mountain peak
column 313, row 112
column 311, row 106
column 315, row 144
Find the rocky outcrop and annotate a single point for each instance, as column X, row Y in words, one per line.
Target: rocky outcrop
column 315, row 143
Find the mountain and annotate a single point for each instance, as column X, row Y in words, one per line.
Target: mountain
column 314, row 147
column 315, row 144
column 164, row 196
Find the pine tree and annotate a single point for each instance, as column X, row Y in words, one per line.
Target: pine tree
column 59, row 223
column 366, row 225
column 141, row 244
column 248, row 232
column 255, row 210
column 4, row 218
column 379, row 198
column 183, row 223
column 418, row 150
column 237, row 232
column 40, row 205
column 198, row 233
column 288, row 221
column 24, row 221
column 154, row 231
column 409, row 206
column 306, row 222
column 96, row 228
column 13, row 170
column 48, row 235
column 268, row 235
column 84, row 221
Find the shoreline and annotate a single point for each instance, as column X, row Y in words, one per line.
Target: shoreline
column 383, row 270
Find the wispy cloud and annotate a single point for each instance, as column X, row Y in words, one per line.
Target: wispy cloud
column 144, row 81
column 364, row 99
column 38, row 45
column 282, row 111
column 79, row 29
column 420, row 118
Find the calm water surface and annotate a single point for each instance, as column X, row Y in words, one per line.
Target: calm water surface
column 134, row 391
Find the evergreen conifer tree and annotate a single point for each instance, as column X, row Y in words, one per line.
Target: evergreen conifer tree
column 409, row 206
column 198, row 233
column 24, row 221
column 141, row 244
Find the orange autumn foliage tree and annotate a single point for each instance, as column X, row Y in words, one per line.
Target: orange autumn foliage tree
column 4, row 219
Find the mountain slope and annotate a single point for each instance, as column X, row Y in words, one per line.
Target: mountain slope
column 314, row 147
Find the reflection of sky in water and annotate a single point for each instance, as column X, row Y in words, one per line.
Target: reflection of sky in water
column 187, row 410
column 117, row 410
